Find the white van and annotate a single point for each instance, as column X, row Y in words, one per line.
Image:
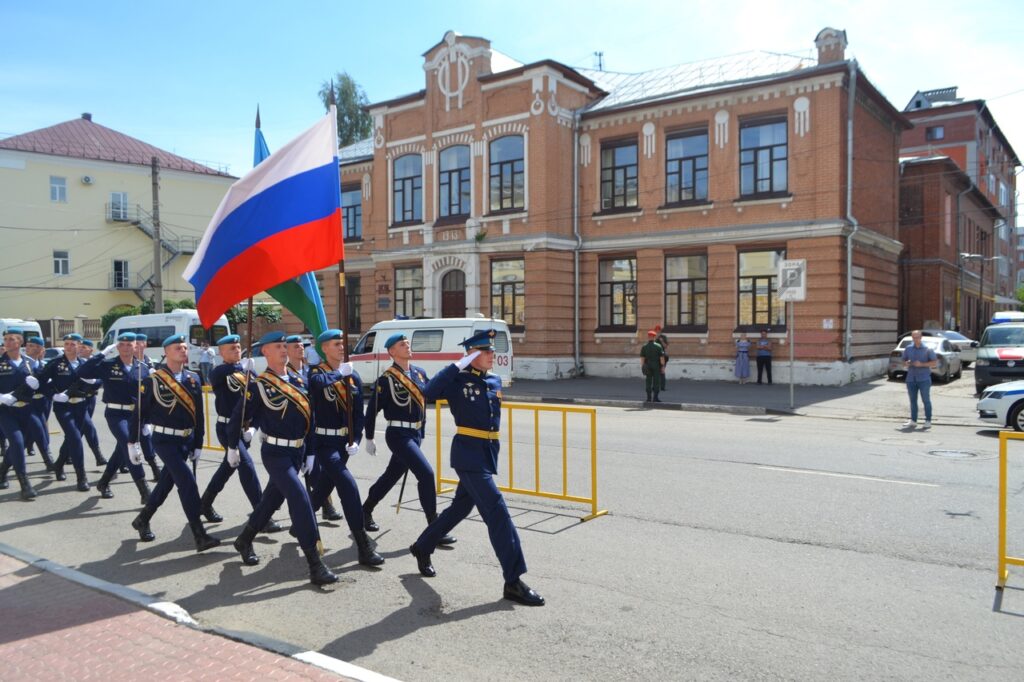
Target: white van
column 158, row 326
column 30, row 327
column 435, row 345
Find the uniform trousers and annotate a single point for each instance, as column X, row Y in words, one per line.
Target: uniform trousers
column 478, row 489
column 246, row 470
column 177, row 473
column 41, row 408
column 92, row 437
column 330, row 454
column 71, row 417
column 148, row 453
column 282, row 465
column 117, row 422
column 16, row 423
column 406, row 455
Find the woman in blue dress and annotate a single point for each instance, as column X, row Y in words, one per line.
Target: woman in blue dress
column 742, row 370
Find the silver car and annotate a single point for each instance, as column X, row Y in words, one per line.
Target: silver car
column 948, row 367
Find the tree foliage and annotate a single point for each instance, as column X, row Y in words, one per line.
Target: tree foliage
column 354, row 122
column 146, row 308
column 238, row 315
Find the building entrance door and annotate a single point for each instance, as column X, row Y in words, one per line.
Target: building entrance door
column 453, row 294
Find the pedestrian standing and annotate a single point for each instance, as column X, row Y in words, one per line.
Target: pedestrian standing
column 918, row 360
column 205, row 362
column 742, row 368
column 764, row 356
column 663, row 342
column 652, row 360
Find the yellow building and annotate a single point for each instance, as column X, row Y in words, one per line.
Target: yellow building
column 76, row 203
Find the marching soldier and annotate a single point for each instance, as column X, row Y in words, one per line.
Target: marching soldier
column 35, row 349
column 474, row 396
column 228, row 381
column 171, row 400
column 17, row 385
column 277, row 404
column 92, row 388
column 61, row 382
column 337, row 392
column 399, row 394
column 119, row 371
column 141, row 343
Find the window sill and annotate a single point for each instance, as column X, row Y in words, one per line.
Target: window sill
column 451, row 221
column 404, row 227
column 504, row 215
column 616, row 215
column 763, row 199
column 615, row 334
column 685, row 333
column 704, row 206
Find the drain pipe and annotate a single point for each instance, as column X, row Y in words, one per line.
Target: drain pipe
column 577, row 358
column 848, row 341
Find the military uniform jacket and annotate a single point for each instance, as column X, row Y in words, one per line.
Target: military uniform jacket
column 330, row 392
column 61, row 375
column 12, row 379
column 228, row 382
column 172, row 402
column 120, row 383
column 474, row 398
column 399, row 395
column 277, row 406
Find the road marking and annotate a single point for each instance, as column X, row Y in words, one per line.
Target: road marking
column 863, row 478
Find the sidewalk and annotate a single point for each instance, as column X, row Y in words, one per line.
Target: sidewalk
column 59, row 624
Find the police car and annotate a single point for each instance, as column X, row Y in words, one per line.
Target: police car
column 1003, row 405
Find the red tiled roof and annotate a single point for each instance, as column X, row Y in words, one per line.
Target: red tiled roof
column 82, row 139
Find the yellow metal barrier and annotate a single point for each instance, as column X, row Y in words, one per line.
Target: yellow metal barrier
column 1005, row 560
column 209, row 412
column 509, row 446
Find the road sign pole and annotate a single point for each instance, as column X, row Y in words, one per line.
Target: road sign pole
column 792, row 338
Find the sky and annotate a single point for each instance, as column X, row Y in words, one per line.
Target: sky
column 187, row 76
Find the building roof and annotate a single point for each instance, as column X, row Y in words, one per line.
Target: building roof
column 925, row 99
column 977, row 107
column 81, row 138
column 357, row 151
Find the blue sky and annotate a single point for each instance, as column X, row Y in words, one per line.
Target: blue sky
column 187, row 76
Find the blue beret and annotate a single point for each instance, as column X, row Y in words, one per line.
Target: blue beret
column 230, row 338
column 293, row 338
column 272, row 337
column 38, row 340
column 329, row 335
column 72, row 337
column 85, row 342
column 173, row 339
column 141, row 337
column 393, row 339
column 126, row 336
column 15, row 330
column 482, row 340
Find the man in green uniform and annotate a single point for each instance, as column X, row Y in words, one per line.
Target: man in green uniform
column 652, row 359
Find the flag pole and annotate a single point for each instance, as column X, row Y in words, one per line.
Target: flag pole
column 245, row 386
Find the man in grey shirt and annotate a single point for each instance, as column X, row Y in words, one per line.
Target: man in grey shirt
column 919, row 360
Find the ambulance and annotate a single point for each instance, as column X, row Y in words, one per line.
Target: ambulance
column 158, row 326
column 435, row 345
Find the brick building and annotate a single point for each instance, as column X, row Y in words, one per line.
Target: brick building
column 610, row 203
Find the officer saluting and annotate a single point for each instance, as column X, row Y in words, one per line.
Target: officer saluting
column 277, row 404
column 17, row 385
column 474, row 396
column 399, row 394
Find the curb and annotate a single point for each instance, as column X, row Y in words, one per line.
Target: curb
column 607, row 402
column 174, row 612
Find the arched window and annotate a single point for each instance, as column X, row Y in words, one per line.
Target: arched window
column 407, row 188
column 507, row 174
column 453, row 181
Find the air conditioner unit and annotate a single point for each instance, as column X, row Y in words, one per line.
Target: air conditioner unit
column 86, row 179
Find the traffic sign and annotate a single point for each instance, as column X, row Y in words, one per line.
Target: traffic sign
column 792, row 278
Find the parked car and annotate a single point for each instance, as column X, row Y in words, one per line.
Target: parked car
column 948, row 367
column 52, row 353
column 1003, row 405
column 968, row 348
column 1000, row 355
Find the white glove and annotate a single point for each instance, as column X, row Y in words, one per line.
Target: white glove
column 135, row 453
column 345, row 369
column 7, row 399
column 308, row 466
column 248, row 364
column 110, row 352
column 196, row 454
column 371, row 448
column 352, row 450
column 247, row 435
column 468, row 360
column 234, row 458
column 61, row 397
column 147, row 429
column 32, row 382
column 312, row 357
column 91, row 381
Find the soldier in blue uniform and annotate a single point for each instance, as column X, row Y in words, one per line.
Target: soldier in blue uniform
column 146, row 441
column 171, row 400
column 277, row 404
column 399, row 394
column 336, row 392
column 92, row 388
column 474, row 396
column 17, row 385
column 35, row 348
column 228, row 382
column 119, row 372
column 60, row 381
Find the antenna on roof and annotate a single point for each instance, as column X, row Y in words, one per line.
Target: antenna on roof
column 600, row 60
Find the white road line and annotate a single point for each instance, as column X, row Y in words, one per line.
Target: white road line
column 863, row 478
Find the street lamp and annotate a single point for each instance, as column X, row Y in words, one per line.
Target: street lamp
column 981, row 284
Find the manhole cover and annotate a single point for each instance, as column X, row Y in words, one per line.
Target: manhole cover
column 952, row 454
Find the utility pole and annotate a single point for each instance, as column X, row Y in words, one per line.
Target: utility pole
column 600, row 60
column 158, row 287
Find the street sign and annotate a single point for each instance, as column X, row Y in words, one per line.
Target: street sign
column 793, row 280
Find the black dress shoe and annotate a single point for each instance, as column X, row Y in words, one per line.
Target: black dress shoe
column 59, row 474
column 368, row 522
column 522, row 593
column 330, row 513
column 104, row 489
column 272, row 526
column 123, row 469
column 423, row 563
column 82, row 485
column 100, row 460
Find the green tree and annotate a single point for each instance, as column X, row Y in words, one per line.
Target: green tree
column 238, row 315
column 115, row 314
column 354, row 122
column 1020, row 293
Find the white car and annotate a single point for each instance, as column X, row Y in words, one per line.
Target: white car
column 1003, row 404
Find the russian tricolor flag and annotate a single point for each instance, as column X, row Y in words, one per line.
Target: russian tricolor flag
column 279, row 221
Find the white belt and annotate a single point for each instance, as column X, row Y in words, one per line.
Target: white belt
column 331, row 432
column 284, row 442
column 37, row 396
column 223, row 420
column 184, row 433
column 76, row 400
column 405, row 425
column 116, row 406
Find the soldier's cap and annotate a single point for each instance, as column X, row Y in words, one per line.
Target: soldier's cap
column 652, row 333
column 15, row 330
column 72, row 337
column 85, row 342
column 293, row 338
column 327, row 335
column 126, row 336
column 393, row 339
column 173, row 339
column 272, row 337
column 230, row 338
column 38, row 340
column 482, row 340
column 141, row 337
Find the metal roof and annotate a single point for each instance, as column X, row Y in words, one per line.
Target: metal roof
column 357, row 151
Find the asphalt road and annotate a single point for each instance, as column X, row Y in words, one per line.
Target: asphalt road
column 737, row 546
